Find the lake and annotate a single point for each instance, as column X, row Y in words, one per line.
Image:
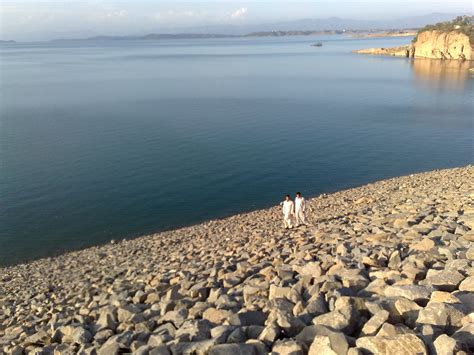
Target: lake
column 115, row 139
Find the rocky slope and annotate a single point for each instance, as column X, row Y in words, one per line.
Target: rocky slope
column 385, row 268
column 431, row 44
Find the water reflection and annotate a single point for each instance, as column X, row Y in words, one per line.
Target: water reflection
column 441, row 74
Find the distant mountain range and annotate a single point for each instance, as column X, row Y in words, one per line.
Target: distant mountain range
column 157, row 36
column 296, row 27
column 326, row 24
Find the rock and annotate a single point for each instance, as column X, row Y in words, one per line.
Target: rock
column 260, row 348
column 375, row 323
column 465, row 336
column 443, row 297
column 424, row 245
column 176, row 317
column 470, row 253
column 279, row 292
column 405, row 344
column 290, row 325
column 270, row 334
column 336, row 321
column 287, row 347
column 338, row 341
column 444, row 345
column 198, row 347
column 411, row 292
column 159, row 350
column 248, row 318
column 444, row 280
column 389, row 330
column 221, row 333
column 395, row 260
column 443, row 315
column 216, row 316
column 343, row 318
column 237, row 336
column 312, row 269
column 126, row 313
column 467, row 284
column 322, row 345
column 107, row 319
column 109, row 348
column 75, row 334
column 354, row 351
column 233, row 349
column 408, row 310
column 194, row 330
column 38, row 338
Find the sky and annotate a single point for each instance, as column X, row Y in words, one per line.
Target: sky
column 39, row 19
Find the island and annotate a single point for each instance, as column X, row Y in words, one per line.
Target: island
column 446, row 40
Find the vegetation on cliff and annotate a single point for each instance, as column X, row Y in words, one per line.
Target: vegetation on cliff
column 461, row 24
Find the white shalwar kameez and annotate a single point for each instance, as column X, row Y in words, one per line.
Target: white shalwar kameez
column 300, row 209
column 288, row 213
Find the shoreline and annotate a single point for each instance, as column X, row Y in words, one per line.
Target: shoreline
column 118, row 239
column 386, row 263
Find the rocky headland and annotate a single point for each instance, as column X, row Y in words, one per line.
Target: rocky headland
column 446, row 40
column 431, row 44
column 386, row 268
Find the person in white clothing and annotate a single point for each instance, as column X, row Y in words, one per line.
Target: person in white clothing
column 300, row 209
column 288, row 212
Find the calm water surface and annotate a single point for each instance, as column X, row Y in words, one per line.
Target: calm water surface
column 116, row 139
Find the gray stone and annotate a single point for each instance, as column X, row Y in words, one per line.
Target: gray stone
column 405, row 344
column 467, row 284
column 443, row 315
column 337, row 339
column 444, row 280
column 444, row 345
column 160, row 350
column 248, row 318
column 465, row 336
column 322, row 345
column 411, row 292
column 194, row 330
column 270, row 334
column 375, row 323
column 233, row 349
column 287, row 347
column 107, row 319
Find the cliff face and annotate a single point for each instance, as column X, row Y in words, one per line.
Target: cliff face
column 443, row 45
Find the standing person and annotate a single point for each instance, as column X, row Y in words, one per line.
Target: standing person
column 288, row 211
column 300, row 209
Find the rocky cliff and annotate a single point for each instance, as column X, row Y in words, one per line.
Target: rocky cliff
column 443, row 45
column 431, row 44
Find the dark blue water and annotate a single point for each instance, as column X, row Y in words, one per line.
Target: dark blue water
column 118, row 139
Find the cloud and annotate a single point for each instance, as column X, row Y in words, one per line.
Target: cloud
column 116, row 14
column 179, row 15
column 240, row 13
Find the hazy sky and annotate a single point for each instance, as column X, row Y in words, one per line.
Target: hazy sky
column 38, row 18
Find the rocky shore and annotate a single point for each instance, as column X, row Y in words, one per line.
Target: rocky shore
column 385, row 268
